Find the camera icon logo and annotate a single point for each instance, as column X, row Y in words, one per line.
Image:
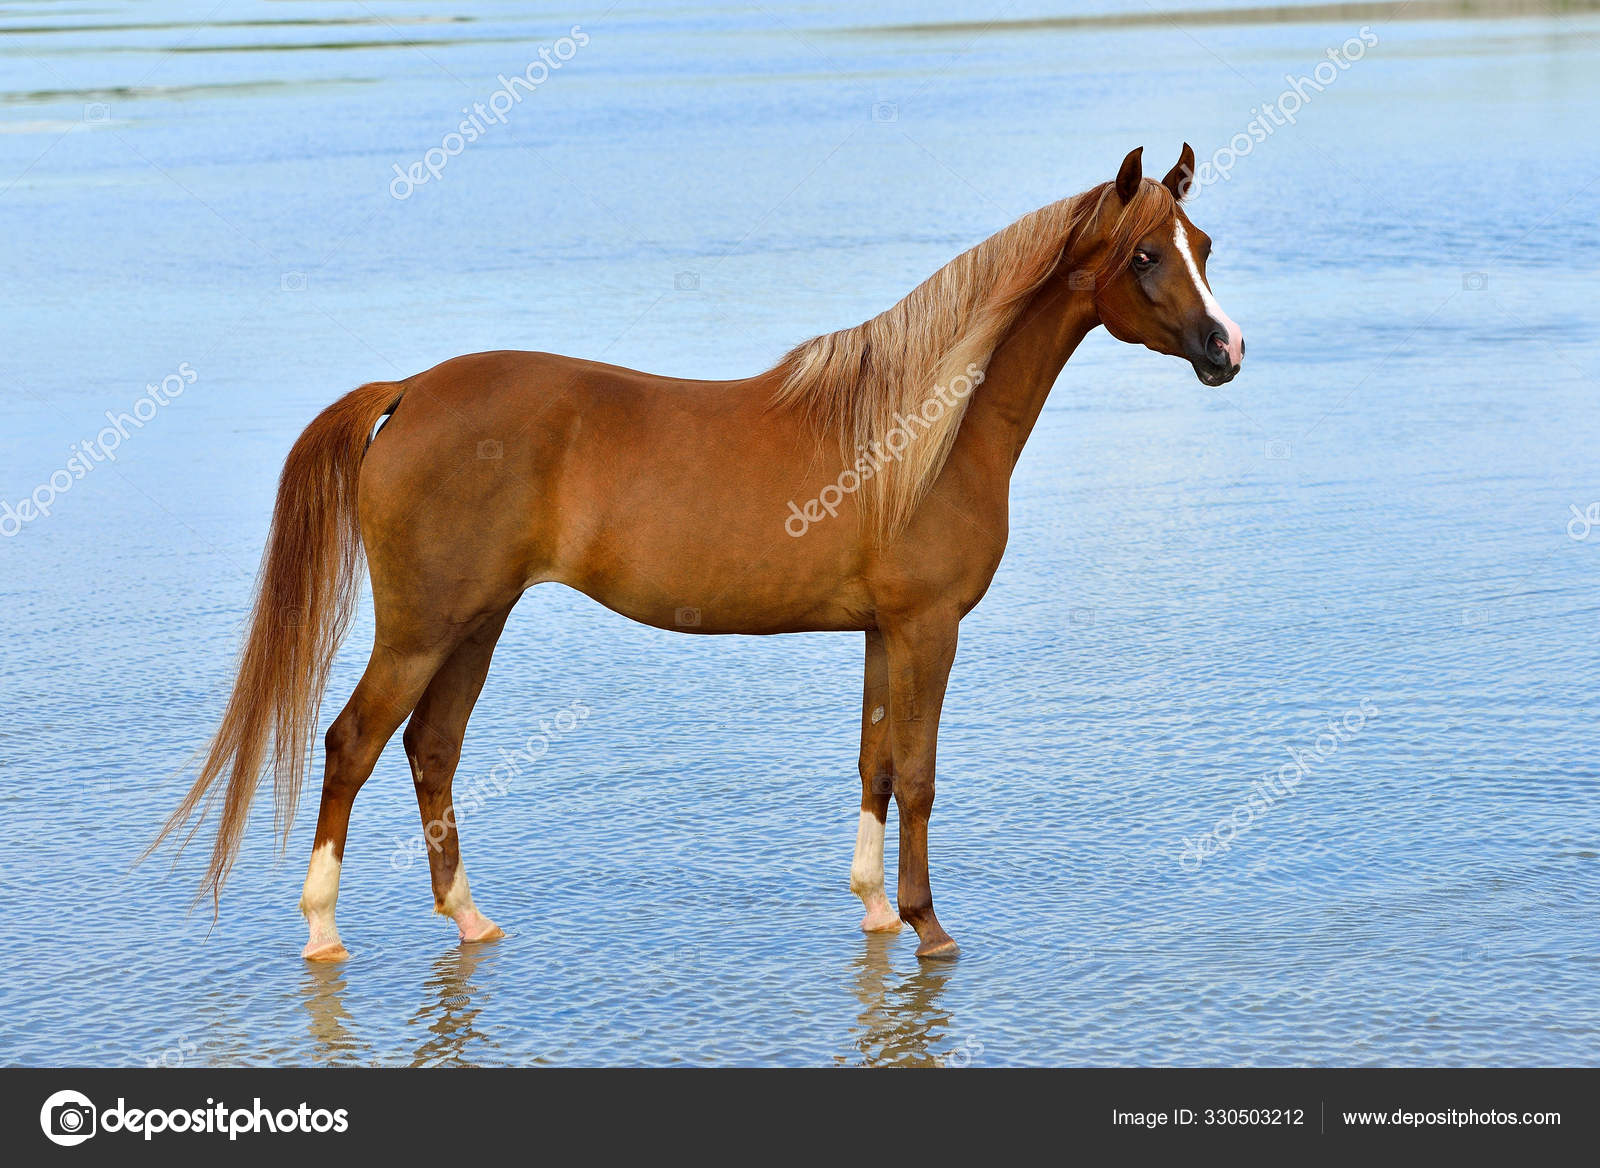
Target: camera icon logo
column 885, row 111
column 687, row 618
column 292, row 282
column 686, row 282
column 68, row 1118
column 1474, row 281
column 97, row 111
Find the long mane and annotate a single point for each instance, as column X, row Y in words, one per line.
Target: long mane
column 859, row 384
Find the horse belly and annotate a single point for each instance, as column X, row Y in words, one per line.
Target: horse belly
column 702, row 568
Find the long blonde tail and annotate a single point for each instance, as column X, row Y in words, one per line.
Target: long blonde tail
column 304, row 600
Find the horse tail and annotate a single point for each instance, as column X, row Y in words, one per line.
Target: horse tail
column 305, row 597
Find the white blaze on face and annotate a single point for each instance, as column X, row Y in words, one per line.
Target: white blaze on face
column 1180, row 239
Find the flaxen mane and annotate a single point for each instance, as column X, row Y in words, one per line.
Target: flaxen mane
column 918, row 360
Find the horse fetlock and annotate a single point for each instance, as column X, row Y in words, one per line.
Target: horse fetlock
column 456, row 903
column 880, row 917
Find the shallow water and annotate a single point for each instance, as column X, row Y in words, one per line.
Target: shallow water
column 1378, row 510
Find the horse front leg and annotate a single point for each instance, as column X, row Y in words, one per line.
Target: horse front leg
column 920, row 652
column 877, row 783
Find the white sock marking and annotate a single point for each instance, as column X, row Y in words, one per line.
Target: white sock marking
column 321, row 894
column 866, row 870
column 459, row 898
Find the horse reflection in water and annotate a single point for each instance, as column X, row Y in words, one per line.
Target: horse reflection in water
column 451, row 1004
column 901, row 1023
column 322, row 989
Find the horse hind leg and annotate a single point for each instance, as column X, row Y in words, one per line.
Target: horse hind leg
column 386, row 693
column 877, row 783
column 433, row 747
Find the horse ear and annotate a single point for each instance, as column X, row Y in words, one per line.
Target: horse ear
column 1130, row 174
column 1181, row 177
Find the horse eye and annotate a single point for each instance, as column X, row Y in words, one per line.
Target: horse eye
column 1143, row 260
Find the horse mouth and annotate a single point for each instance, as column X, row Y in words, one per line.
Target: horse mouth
column 1214, row 376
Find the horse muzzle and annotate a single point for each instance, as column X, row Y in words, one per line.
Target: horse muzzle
column 1218, row 358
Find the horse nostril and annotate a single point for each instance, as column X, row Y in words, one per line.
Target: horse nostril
column 1217, row 344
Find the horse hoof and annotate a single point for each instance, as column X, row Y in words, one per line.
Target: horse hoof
column 939, row 949
column 881, row 922
column 325, row 951
column 483, row 931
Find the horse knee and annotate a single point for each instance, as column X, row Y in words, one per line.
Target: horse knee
column 913, row 792
column 877, row 778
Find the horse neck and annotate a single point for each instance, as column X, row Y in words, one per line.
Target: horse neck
column 1021, row 372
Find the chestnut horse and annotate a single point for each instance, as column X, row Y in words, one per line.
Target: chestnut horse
column 861, row 484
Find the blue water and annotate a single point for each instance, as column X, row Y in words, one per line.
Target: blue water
column 1379, row 510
